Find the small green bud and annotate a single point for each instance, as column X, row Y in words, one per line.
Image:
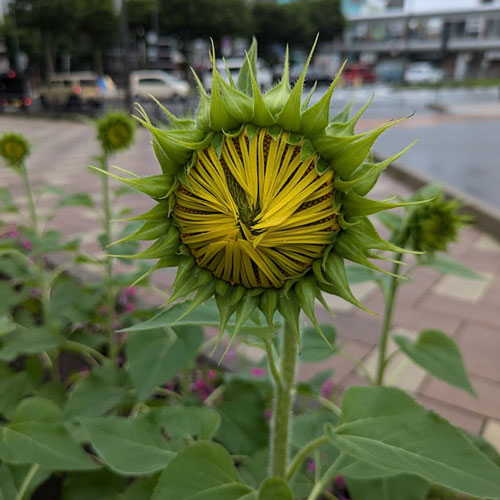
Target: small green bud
column 14, row 148
column 115, row 131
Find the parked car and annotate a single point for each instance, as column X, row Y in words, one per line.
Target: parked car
column 264, row 73
column 15, row 91
column 77, row 90
column 390, row 71
column 423, row 72
column 358, row 72
column 160, row 84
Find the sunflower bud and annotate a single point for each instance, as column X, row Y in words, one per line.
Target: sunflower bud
column 432, row 226
column 14, row 149
column 115, row 132
column 266, row 195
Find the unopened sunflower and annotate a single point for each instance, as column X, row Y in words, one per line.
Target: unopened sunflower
column 14, row 149
column 262, row 197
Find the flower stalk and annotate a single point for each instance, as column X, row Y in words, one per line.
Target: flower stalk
column 110, row 292
column 386, row 327
column 283, row 404
column 43, row 283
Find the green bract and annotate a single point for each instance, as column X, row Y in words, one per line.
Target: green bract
column 261, row 198
column 432, row 226
column 115, row 131
column 14, row 149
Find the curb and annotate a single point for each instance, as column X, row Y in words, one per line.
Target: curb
column 486, row 216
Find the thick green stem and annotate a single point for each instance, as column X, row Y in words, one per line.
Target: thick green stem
column 42, row 278
column 110, row 292
column 283, row 404
column 386, row 327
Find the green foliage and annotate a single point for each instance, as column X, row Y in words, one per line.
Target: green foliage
column 438, row 354
column 385, row 426
column 399, row 487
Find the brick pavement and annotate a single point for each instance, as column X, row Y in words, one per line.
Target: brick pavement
column 467, row 310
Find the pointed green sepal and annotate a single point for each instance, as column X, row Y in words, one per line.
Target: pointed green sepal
column 315, row 119
column 290, row 310
column 370, row 172
column 163, row 247
column 150, row 230
column 158, row 212
column 276, row 97
column 269, row 303
column 239, row 105
column 306, row 290
column 156, row 186
column 244, row 310
column 332, row 273
column 358, row 206
column 289, row 117
column 248, row 67
column 220, row 117
column 202, row 295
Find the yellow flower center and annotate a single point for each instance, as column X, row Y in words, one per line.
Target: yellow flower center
column 258, row 214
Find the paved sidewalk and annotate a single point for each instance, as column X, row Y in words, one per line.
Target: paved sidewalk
column 467, row 310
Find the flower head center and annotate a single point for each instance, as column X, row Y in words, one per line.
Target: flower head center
column 259, row 213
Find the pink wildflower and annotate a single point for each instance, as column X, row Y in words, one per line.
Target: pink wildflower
column 327, row 389
column 258, row 372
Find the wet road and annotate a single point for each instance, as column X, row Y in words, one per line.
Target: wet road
column 460, row 147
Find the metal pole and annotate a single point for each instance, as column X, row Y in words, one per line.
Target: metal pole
column 124, row 53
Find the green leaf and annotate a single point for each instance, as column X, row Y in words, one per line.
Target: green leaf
column 399, row 487
column 141, row 489
column 439, row 355
column 202, row 471
column 275, row 488
column 185, row 424
column 6, row 325
column 448, row 265
column 204, row 315
column 102, row 485
column 314, row 348
column 37, row 435
column 77, row 199
column 244, row 430
column 101, row 391
column 13, row 476
column 29, row 341
column 383, row 425
column 13, row 387
column 8, row 488
column 129, row 446
column 156, row 356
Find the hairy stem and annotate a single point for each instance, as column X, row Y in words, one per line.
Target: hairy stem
column 386, row 327
column 110, row 292
column 283, row 404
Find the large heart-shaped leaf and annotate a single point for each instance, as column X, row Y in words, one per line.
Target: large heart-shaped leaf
column 204, row 471
column 155, row 356
column 383, row 425
column 244, row 429
column 398, row 487
column 129, row 446
column 438, row 354
column 101, row 391
column 29, row 341
column 37, row 435
column 182, row 425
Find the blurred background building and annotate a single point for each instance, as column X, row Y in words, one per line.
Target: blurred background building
column 461, row 36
